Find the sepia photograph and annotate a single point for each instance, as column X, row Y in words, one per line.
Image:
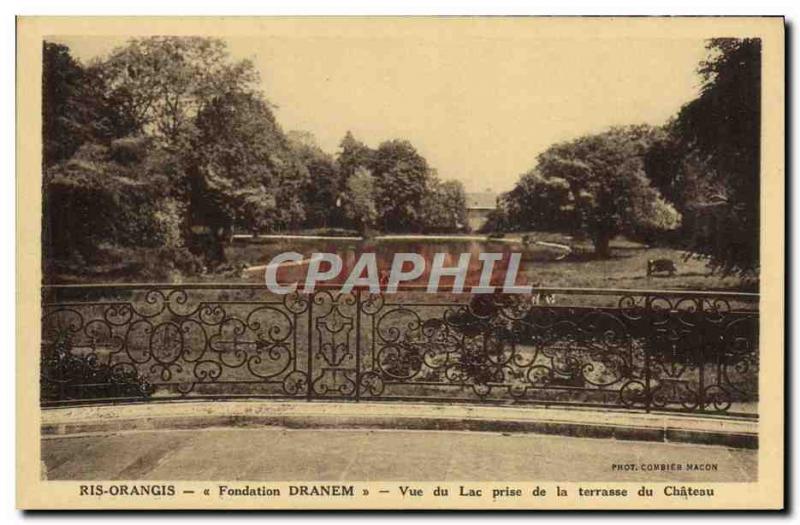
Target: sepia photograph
column 403, row 262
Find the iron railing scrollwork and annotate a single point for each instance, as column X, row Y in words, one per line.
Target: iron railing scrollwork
column 639, row 350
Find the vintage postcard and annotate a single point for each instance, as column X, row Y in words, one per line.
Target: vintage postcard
column 400, row 263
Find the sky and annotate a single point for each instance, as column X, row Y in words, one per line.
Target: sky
column 479, row 108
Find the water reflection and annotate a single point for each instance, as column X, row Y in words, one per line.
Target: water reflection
column 385, row 250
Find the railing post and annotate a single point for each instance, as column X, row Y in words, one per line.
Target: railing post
column 648, row 313
column 358, row 344
column 310, row 348
column 701, row 358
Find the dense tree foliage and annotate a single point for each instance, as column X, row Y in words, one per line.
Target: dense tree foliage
column 702, row 166
column 401, row 181
column 161, row 92
column 536, row 202
column 323, row 184
column 405, row 193
column 353, row 155
column 162, row 83
column 444, row 206
column 106, row 207
column 75, row 108
column 167, row 144
column 359, row 201
column 594, row 185
column 243, row 171
column 608, row 189
column 721, row 129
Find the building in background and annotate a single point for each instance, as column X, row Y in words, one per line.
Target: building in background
column 479, row 204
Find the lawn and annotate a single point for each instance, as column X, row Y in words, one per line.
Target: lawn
column 627, row 268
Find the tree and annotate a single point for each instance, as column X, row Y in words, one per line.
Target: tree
column 536, row 203
column 353, row 155
column 607, row 184
column 74, row 108
column 165, row 138
column 235, row 167
column 359, row 200
column 103, row 191
column 161, row 83
column 401, row 182
column 242, row 170
column 679, row 174
column 722, row 129
column 105, row 197
column 321, row 193
column 444, row 206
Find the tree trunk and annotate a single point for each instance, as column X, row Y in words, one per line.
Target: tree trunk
column 601, row 248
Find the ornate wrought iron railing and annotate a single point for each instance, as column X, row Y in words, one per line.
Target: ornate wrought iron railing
column 627, row 349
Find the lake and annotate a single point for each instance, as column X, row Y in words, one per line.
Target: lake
column 258, row 253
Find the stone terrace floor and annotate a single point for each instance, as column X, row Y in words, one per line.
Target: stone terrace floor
column 281, row 454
